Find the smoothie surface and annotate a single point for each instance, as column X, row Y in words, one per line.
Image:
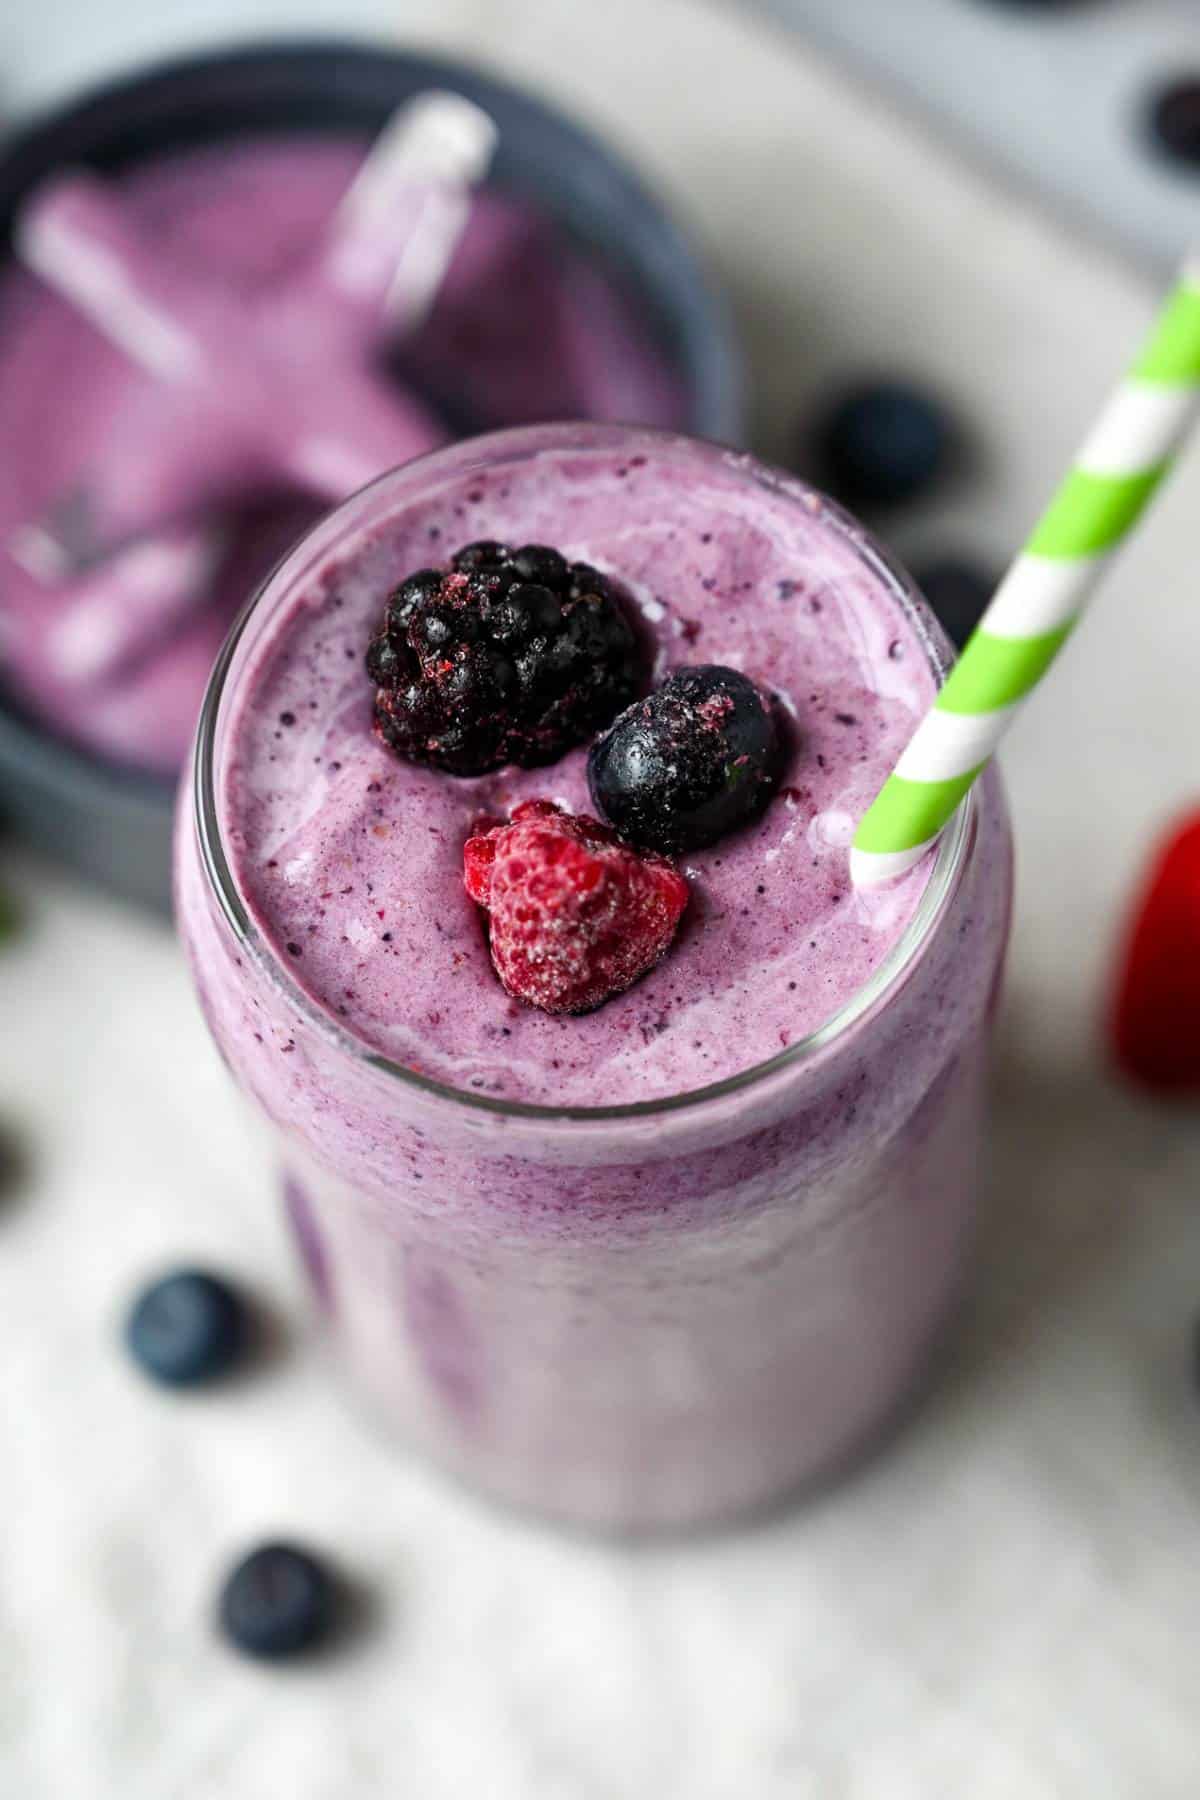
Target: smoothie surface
column 350, row 860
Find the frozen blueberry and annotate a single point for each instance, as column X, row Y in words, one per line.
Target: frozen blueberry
column 277, row 1602
column 692, row 761
column 958, row 591
column 1174, row 120
column 187, row 1328
column 882, row 442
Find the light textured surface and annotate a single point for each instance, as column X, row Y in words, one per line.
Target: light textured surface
column 1055, row 94
column 1004, row 1606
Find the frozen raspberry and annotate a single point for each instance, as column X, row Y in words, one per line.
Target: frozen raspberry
column 506, row 657
column 574, row 916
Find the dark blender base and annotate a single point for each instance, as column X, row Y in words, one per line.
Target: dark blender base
column 114, row 825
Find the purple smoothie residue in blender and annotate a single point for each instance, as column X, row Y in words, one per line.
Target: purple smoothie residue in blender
column 524, row 326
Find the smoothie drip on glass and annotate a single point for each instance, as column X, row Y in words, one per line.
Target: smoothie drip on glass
column 664, row 1261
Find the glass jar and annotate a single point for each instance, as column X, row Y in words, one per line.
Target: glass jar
column 633, row 1316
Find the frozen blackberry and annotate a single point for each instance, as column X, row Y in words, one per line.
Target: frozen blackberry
column 508, row 656
column 691, row 762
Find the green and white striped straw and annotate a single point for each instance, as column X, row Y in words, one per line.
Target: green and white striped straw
column 1132, row 447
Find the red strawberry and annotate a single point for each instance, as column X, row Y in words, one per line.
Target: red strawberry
column 1156, row 1016
column 574, row 916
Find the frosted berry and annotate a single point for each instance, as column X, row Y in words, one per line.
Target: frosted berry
column 694, row 760
column 508, row 656
column 574, row 915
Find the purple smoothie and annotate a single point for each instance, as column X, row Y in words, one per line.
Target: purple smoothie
column 681, row 1310
column 525, row 326
column 354, row 857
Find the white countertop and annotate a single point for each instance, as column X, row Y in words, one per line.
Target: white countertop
column 1055, row 94
column 1005, row 1605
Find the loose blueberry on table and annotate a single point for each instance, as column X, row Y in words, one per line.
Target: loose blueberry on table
column 277, row 1602
column 187, row 1328
column 13, row 1161
column 958, row 591
column 1174, row 121
column 882, row 442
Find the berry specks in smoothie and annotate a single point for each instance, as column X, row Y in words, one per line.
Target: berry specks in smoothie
column 505, row 657
column 574, row 916
column 694, row 760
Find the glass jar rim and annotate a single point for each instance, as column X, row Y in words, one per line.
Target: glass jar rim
column 950, row 855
